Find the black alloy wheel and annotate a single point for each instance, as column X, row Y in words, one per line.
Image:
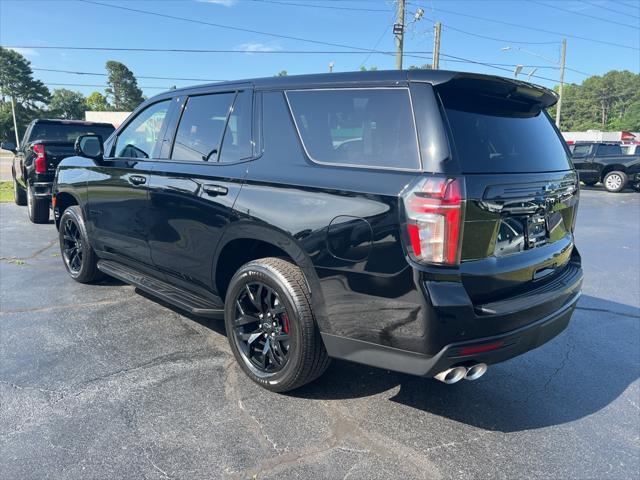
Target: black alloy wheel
column 261, row 329
column 72, row 246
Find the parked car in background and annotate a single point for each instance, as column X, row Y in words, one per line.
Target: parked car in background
column 44, row 145
column 606, row 163
column 417, row 221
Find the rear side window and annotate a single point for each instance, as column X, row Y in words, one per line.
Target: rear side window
column 237, row 143
column 604, row 150
column 496, row 135
column 357, row 127
column 201, row 127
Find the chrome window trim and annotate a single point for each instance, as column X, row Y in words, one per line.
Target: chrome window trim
column 357, row 165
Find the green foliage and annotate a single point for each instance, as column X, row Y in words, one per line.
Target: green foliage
column 607, row 102
column 282, row 73
column 370, row 69
column 96, row 102
column 17, row 82
column 67, row 104
column 123, row 87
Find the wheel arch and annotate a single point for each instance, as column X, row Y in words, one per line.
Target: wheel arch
column 611, row 168
column 64, row 200
column 243, row 242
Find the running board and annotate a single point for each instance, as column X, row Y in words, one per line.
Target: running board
column 183, row 299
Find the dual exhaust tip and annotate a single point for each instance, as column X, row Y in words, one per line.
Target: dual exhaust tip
column 455, row 374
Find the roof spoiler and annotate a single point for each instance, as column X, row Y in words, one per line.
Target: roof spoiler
column 492, row 85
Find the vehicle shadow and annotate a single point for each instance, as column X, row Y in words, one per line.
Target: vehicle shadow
column 577, row 374
column 580, row 372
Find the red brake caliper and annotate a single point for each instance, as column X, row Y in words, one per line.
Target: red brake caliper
column 285, row 323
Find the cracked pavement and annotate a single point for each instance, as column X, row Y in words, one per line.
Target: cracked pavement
column 98, row 381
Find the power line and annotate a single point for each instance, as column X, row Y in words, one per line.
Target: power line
column 98, row 86
column 536, row 29
column 501, row 40
column 593, row 4
column 137, row 76
column 584, row 14
column 227, row 27
column 194, row 50
column 328, row 7
column 386, row 29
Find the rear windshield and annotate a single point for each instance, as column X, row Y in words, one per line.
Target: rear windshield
column 495, row 135
column 369, row 127
column 60, row 132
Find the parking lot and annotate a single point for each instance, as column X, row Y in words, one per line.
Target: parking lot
column 98, row 381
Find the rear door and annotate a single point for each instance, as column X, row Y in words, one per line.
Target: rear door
column 582, row 158
column 521, row 190
column 118, row 187
column 193, row 190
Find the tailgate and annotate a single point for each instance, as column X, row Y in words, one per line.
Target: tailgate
column 518, row 232
column 55, row 152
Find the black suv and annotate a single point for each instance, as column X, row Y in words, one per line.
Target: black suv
column 417, row 221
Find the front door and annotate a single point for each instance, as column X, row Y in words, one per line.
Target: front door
column 118, row 188
column 193, row 192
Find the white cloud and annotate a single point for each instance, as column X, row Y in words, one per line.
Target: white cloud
column 27, row 52
column 256, row 47
column 226, row 3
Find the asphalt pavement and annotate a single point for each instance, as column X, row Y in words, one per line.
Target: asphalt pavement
column 98, row 381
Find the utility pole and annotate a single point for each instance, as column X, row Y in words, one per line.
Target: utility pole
column 563, row 59
column 15, row 123
column 436, row 46
column 398, row 30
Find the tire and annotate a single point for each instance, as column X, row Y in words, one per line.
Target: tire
column 38, row 207
column 274, row 290
column 79, row 258
column 636, row 187
column 19, row 193
column 589, row 183
column 615, row 181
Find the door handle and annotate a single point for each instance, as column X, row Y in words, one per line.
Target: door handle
column 137, row 179
column 214, row 190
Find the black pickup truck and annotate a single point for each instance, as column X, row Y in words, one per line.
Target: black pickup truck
column 44, row 145
column 606, row 163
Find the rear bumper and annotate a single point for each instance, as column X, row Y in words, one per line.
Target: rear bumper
column 447, row 329
column 42, row 190
column 506, row 346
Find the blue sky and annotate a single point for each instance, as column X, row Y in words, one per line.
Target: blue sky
column 365, row 24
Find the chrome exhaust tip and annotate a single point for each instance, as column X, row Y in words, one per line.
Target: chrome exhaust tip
column 474, row 372
column 451, row 375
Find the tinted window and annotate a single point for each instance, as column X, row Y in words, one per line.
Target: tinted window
column 368, row 127
column 237, row 138
column 60, row 132
column 495, row 135
column 140, row 137
column 582, row 150
column 604, row 150
column 201, row 127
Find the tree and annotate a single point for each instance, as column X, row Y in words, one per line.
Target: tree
column 425, row 66
column 67, row 104
column 17, row 82
column 282, row 73
column 123, row 87
column 370, row 69
column 96, row 102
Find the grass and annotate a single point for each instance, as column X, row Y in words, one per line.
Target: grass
column 6, row 192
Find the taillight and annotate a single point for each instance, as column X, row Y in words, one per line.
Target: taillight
column 434, row 220
column 40, row 162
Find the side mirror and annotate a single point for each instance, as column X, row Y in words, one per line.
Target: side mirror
column 89, row 146
column 8, row 146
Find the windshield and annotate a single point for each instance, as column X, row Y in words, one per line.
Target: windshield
column 60, row 132
column 497, row 135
